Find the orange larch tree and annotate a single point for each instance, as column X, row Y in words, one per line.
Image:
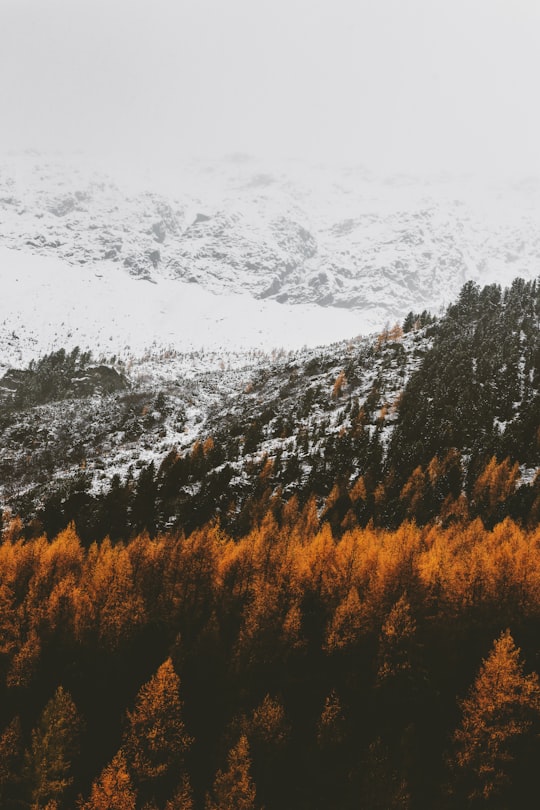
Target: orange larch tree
column 156, row 740
column 234, row 788
column 501, row 710
column 113, row 789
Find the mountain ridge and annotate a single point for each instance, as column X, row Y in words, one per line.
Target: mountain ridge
column 343, row 239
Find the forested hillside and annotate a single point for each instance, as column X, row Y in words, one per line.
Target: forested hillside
column 310, row 581
column 429, row 420
column 285, row 670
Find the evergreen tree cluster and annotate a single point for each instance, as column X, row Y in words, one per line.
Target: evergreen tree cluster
column 478, row 388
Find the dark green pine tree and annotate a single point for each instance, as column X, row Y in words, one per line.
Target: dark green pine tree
column 143, row 510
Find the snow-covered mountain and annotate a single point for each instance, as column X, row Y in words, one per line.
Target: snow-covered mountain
column 241, row 254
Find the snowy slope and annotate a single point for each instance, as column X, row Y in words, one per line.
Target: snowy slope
column 239, row 254
column 47, row 304
column 172, row 400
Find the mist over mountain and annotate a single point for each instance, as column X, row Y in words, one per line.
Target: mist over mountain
column 292, row 234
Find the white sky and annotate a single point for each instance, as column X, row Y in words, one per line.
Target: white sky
column 398, row 84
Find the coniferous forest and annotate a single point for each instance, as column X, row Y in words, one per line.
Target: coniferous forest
column 328, row 601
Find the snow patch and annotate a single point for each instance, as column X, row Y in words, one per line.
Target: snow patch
column 47, row 304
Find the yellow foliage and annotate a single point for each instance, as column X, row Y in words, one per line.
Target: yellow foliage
column 315, row 562
column 358, row 491
column 414, row 490
column 156, row 740
column 208, row 446
column 267, row 724
column 496, row 482
column 389, row 335
column 339, row 383
column 234, row 788
column 119, row 610
column 24, row 662
column 292, row 628
column 395, row 642
column 502, row 706
column 348, row 623
column 113, row 789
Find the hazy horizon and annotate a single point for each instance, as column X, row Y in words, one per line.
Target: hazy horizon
column 416, row 87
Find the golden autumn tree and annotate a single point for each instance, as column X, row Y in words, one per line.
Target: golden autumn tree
column 234, row 788
column 395, row 643
column 25, row 661
column 290, row 514
column 446, row 475
column 120, row 609
column 113, row 789
column 55, row 744
column 395, row 333
column 292, row 635
column 208, row 446
column 399, row 681
column 9, row 626
column 308, row 522
column 500, row 712
column 156, row 740
column 332, row 498
column 348, row 623
column 339, row 383
column 495, row 484
column 358, row 491
column 413, row 493
column 267, row 725
column 261, row 620
column 267, row 732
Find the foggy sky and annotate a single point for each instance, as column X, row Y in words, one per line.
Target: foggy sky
column 398, row 84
